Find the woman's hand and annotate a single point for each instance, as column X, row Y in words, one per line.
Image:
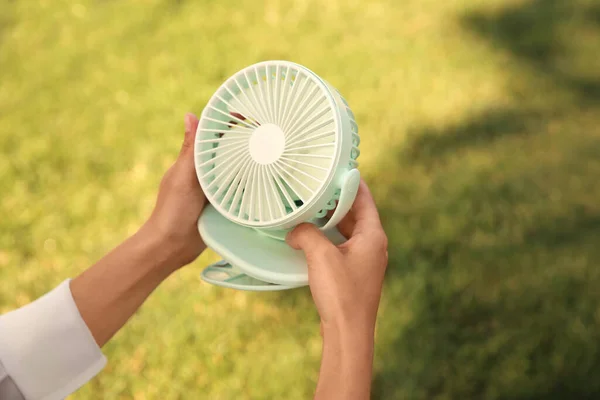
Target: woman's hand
column 346, row 280
column 346, row 283
column 108, row 293
column 180, row 201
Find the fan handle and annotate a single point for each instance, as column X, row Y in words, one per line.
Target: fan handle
column 348, row 193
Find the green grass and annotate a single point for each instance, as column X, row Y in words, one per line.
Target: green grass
column 480, row 123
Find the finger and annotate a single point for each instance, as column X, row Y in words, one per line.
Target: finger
column 238, row 116
column 330, row 212
column 365, row 211
column 191, row 124
column 233, row 122
column 311, row 240
column 346, row 225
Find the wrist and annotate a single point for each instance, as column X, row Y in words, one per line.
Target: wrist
column 164, row 251
column 352, row 341
column 359, row 322
column 348, row 335
column 347, row 363
column 170, row 250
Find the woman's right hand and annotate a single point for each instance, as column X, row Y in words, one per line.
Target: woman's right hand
column 346, row 283
column 346, row 280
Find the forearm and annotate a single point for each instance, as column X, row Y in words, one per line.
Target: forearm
column 109, row 293
column 347, row 364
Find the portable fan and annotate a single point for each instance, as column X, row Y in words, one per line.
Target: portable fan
column 276, row 146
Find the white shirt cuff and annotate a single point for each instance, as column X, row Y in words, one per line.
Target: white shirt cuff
column 46, row 347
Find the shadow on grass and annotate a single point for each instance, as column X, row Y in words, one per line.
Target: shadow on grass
column 492, row 284
column 544, row 34
column 478, row 131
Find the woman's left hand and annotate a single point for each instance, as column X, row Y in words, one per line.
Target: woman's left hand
column 180, row 202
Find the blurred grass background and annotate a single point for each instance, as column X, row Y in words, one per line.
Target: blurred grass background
column 480, row 127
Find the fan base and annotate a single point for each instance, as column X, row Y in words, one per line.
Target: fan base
column 251, row 260
column 226, row 275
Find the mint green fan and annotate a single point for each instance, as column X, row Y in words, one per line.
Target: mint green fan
column 276, row 146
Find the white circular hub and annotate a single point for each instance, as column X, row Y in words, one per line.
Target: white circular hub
column 267, row 144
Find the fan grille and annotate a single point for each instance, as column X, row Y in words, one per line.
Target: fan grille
column 267, row 143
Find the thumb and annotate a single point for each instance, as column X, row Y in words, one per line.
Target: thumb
column 191, row 124
column 311, row 240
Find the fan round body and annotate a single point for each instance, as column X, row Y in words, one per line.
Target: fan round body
column 276, row 146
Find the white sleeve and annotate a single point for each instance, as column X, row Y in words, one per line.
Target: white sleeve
column 46, row 348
